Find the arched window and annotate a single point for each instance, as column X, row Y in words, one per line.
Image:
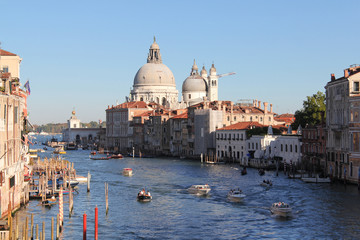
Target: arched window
column 141, row 99
column 157, row 100
column 163, row 101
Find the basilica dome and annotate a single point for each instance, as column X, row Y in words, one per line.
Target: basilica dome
column 154, row 74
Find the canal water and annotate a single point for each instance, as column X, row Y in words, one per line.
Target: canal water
column 330, row 211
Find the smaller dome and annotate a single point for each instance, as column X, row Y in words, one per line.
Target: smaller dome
column 194, row 83
column 212, row 69
column 203, row 71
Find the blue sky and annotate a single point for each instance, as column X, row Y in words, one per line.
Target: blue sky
column 85, row 54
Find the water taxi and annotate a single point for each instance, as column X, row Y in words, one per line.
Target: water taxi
column 144, row 196
column 117, row 156
column 236, row 195
column 199, row 189
column 281, row 209
column 127, row 172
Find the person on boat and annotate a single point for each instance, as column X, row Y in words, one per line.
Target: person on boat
column 148, row 194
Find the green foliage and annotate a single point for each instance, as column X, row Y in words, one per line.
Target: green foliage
column 262, row 131
column 311, row 112
column 50, row 127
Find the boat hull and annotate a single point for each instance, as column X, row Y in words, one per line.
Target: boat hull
column 144, row 198
column 316, row 180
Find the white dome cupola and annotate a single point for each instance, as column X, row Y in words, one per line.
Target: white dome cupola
column 194, row 87
column 154, row 81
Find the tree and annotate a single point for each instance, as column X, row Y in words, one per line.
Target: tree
column 311, row 112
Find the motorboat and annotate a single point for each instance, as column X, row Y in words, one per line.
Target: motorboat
column 71, row 146
column 261, row 172
column 243, row 171
column 281, row 209
column 117, row 156
column 127, row 172
column 316, row 180
column 199, row 189
column 266, row 183
column 144, row 196
column 72, row 182
column 236, row 195
column 81, row 178
column 100, row 158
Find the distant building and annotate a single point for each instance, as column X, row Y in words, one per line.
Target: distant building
column 287, row 118
column 79, row 135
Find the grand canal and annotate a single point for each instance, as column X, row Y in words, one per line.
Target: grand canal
column 329, row 211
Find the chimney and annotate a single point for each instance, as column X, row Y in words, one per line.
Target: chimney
column 346, row 73
column 255, row 103
column 265, row 107
column 271, row 108
column 332, row 77
column 259, row 104
column 231, row 107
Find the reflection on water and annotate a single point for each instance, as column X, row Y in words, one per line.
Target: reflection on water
column 320, row 211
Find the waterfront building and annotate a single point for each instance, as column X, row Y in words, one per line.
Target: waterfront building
column 13, row 139
column 154, row 82
column 119, row 131
column 341, row 113
column 287, row 148
column 231, row 141
column 75, row 133
column 313, row 147
column 179, row 135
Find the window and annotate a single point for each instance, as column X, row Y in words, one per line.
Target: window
column 351, row 169
column 356, row 86
column 286, row 148
column 228, row 118
column 15, row 114
column 281, row 147
column 189, row 96
column 296, row 148
column 250, row 119
column 5, row 69
column 256, row 145
column 235, row 118
column 290, row 148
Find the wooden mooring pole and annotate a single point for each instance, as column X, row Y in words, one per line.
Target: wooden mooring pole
column 107, row 198
column 88, row 181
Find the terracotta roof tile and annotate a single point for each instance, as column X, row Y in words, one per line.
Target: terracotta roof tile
column 242, row 126
column 181, row 116
column 6, row 53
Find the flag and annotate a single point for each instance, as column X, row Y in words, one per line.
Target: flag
column 27, row 87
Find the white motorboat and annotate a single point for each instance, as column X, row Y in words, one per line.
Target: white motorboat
column 81, row 178
column 281, row 209
column 199, row 189
column 72, row 182
column 316, row 180
column 236, row 195
column 127, row 172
